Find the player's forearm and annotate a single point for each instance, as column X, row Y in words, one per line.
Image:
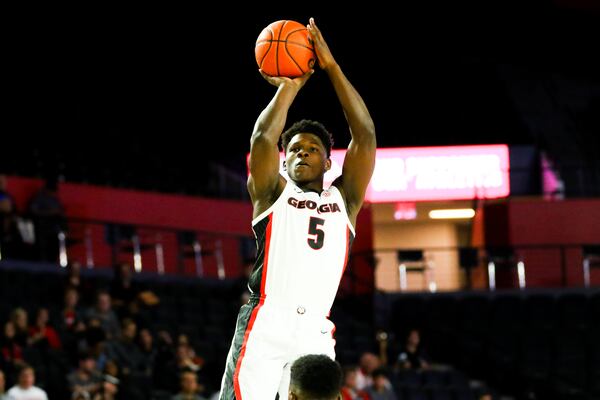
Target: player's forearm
column 355, row 109
column 271, row 121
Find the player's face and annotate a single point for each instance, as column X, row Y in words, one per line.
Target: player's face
column 306, row 158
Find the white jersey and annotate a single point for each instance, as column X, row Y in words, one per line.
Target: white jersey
column 303, row 243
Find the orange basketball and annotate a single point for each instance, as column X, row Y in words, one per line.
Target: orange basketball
column 283, row 49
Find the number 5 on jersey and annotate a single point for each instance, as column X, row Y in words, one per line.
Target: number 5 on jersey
column 316, row 242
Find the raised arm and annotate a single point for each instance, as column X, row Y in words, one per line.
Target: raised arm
column 265, row 183
column 360, row 157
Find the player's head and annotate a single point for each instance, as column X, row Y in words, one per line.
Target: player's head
column 315, row 377
column 307, row 145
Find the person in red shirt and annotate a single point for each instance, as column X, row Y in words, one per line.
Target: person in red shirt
column 42, row 333
column 350, row 390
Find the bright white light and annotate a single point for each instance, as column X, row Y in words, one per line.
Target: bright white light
column 521, row 273
column 452, row 213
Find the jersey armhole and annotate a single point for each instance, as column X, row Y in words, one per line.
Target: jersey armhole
column 343, row 206
column 269, row 210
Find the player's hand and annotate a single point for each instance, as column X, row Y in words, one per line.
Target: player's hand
column 295, row 83
column 324, row 55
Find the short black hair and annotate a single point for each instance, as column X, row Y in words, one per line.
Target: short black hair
column 317, row 376
column 381, row 371
column 308, row 126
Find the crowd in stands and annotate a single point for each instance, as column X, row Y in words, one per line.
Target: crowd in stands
column 103, row 342
column 106, row 345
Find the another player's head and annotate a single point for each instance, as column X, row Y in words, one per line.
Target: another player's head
column 307, row 145
column 315, row 377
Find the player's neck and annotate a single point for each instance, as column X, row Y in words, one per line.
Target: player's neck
column 316, row 187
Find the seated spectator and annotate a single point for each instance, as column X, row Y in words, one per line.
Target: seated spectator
column 350, row 389
column 369, row 362
column 189, row 387
column 3, row 395
column 47, row 213
column 25, row 389
column 412, row 356
column 124, row 350
column 147, row 350
column 108, row 392
column 197, row 361
column 7, row 209
column 381, row 389
column 164, row 359
column 183, row 361
column 122, row 291
column 11, row 353
column 86, row 289
column 315, row 377
column 104, row 313
column 20, row 322
column 92, row 338
column 42, row 334
column 85, row 380
column 74, row 275
column 71, row 314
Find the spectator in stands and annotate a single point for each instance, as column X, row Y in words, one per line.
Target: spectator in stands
column 47, row 213
column 315, row 376
column 3, row 395
column 121, row 289
column 111, row 373
column 184, row 340
column 147, row 350
column 183, row 361
column 125, row 351
column 369, row 362
column 71, row 313
column 86, row 379
column 104, row 313
column 74, row 275
column 20, row 321
column 92, row 338
column 350, row 389
column 381, row 389
column 412, row 356
column 189, row 387
column 11, row 353
column 164, row 359
column 25, row 389
column 7, row 208
column 108, row 392
column 42, row 334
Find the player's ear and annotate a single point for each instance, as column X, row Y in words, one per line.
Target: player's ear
column 284, row 166
column 328, row 164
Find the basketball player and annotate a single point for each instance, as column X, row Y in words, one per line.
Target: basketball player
column 315, row 376
column 303, row 232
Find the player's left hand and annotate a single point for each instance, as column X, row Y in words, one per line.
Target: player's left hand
column 296, row 83
column 324, row 55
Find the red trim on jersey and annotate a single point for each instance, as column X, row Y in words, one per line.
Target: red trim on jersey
column 263, row 295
